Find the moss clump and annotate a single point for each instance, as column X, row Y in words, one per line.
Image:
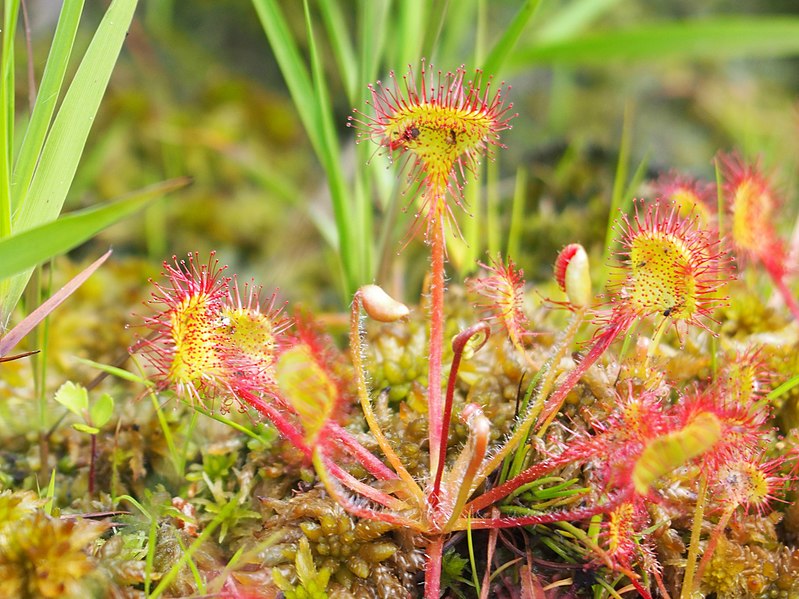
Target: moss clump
column 363, row 558
column 47, row 557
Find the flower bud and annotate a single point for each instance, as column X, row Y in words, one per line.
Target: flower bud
column 573, row 275
column 380, row 306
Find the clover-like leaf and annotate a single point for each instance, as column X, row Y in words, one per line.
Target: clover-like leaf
column 101, row 410
column 73, row 397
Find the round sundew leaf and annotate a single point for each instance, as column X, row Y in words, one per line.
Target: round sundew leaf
column 670, row 266
column 662, row 275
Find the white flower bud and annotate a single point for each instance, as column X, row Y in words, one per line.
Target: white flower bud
column 573, row 275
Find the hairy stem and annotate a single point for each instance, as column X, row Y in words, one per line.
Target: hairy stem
column 693, row 547
column 360, row 453
column 334, row 487
column 554, row 403
column 469, row 461
column 359, row 487
column 786, row 294
column 434, row 403
column 284, row 427
column 560, row 349
column 520, row 431
column 549, row 517
column 458, row 345
column 532, row 473
column 366, row 403
column 710, row 548
column 432, row 571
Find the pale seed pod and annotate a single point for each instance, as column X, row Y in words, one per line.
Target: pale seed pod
column 380, row 306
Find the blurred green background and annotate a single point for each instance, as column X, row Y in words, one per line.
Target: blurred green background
column 198, row 91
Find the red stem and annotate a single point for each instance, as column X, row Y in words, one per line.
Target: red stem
column 434, row 404
column 786, row 294
column 432, row 570
column 458, row 345
column 644, row 593
column 532, row 473
column 363, row 489
column 284, row 427
column 295, row 437
column 555, row 401
column 552, row 406
column 334, row 486
column 555, row 516
column 375, row 467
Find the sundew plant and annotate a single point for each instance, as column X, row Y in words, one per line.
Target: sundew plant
column 646, row 453
column 519, row 367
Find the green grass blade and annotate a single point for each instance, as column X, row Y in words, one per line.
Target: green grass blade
column 340, row 40
column 27, row 249
column 48, row 507
column 373, row 26
column 619, row 183
column 783, row 388
column 517, row 214
column 481, row 33
column 47, row 96
column 502, row 49
column 291, row 66
column 313, row 105
column 372, row 33
column 708, row 38
column 572, row 18
column 331, row 161
column 437, row 17
column 67, row 137
column 10, row 13
column 407, row 32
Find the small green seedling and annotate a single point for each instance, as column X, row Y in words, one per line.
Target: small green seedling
column 75, row 398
